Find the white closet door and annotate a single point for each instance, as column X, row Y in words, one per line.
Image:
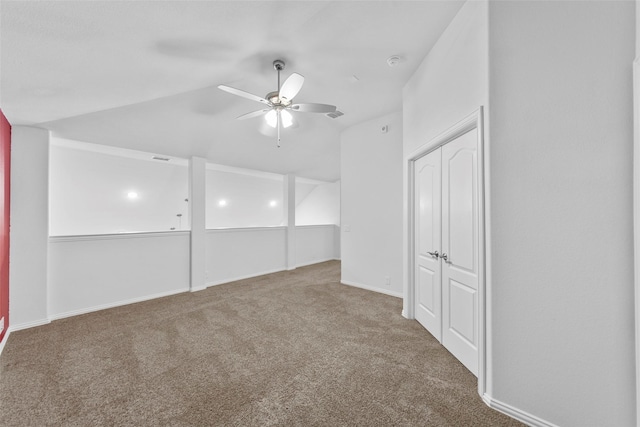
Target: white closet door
column 428, row 299
column 460, row 256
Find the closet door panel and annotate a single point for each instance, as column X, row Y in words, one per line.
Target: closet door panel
column 460, row 249
column 427, row 213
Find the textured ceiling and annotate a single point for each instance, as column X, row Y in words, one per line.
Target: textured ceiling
column 143, row 74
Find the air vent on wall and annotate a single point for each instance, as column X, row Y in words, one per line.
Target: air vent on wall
column 164, row 159
column 335, row 114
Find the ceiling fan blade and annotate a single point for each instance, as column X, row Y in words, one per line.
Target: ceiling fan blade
column 243, row 94
column 291, row 86
column 253, row 114
column 314, row 108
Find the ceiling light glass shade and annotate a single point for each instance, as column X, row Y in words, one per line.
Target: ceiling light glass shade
column 287, row 119
column 272, row 118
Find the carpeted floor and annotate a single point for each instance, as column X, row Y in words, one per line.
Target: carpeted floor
column 294, row 348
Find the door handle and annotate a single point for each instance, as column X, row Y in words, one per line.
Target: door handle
column 434, row 254
column 444, row 257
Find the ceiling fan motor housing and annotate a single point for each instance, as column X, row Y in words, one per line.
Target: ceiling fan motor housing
column 278, row 64
column 274, row 98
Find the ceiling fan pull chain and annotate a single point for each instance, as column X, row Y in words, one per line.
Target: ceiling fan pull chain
column 278, row 119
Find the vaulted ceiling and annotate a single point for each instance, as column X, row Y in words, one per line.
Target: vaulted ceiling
column 143, row 74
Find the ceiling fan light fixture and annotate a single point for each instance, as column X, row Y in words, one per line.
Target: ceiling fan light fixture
column 287, row 118
column 271, row 118
column 280, row 102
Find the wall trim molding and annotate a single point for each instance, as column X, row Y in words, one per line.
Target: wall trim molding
column 515, row 413
column 636, row 219
column 116, row 304
column 94, row 237
column 372, row 288
column 317, row 226
column 235, row 229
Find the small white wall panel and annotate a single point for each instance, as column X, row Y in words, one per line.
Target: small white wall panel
column 89, row 273
column 315, row 243
column 238, row 253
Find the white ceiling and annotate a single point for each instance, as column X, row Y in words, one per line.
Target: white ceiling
column 143, row 74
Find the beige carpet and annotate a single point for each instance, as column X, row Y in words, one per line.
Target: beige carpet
column 291, row 349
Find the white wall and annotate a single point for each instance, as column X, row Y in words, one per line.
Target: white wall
column 59, row 276
column 239, row 253
column 89, row 273
column 561, row 210
column 315, row 243
column 251, row 198
column 371, row 204
column 29, row 226
column 320, row 206
column 89, row 187
column 636, row 201
column 450, row 83
column 305, row 186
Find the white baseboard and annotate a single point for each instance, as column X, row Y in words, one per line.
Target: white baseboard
column 248, row 276
column 28, row 325
column 262, row 273
column 318, row 261
column 21, row 326
column 515, row 413
column 116, row 304
column 371, row 288
column 4, row 340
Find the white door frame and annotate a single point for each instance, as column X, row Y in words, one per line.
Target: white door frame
column 636, row 219
column 472, row 121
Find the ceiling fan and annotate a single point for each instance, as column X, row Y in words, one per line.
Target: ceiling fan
column 279, row 104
